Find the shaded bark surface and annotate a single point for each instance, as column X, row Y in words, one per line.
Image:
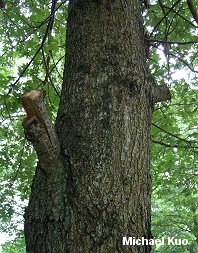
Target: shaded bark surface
column 100, row 188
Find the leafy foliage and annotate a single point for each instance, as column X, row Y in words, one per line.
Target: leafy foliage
column 32, row 50
column 174, row 44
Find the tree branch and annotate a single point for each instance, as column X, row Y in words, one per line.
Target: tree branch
column 173, row 135
column 185, row 19
column 173, row 42
column 164, row 17
column 171, row 146
column 161, row 93
column 192, row 10
column 39, row 129
column 184, row 62
column 162, row 6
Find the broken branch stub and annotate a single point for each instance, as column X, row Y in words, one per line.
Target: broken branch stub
column 39, row 129
column 161, row 93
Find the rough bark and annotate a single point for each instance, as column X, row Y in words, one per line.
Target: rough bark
column 100, row 188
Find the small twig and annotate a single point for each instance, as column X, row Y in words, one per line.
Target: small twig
column 55, row 65
column 176, row 104
column 173, row 135
column 172, row 27
column 20, row 162
column 164, row 144
column 184, row 62
column 162, row 6
column 171, row 146
column 46, row 64
column 174, row 42
column 53, row 86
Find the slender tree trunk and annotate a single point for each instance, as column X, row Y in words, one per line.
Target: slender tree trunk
column 99, row 187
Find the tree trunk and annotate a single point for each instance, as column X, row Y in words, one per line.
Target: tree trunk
column 98, row 188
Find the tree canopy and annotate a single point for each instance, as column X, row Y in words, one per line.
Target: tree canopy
column 32, row 50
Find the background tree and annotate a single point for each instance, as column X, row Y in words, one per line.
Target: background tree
column 172, row 30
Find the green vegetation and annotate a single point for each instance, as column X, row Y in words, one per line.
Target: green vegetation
column 32, row 50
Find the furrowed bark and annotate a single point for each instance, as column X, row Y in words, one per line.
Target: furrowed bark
column 104, row 125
